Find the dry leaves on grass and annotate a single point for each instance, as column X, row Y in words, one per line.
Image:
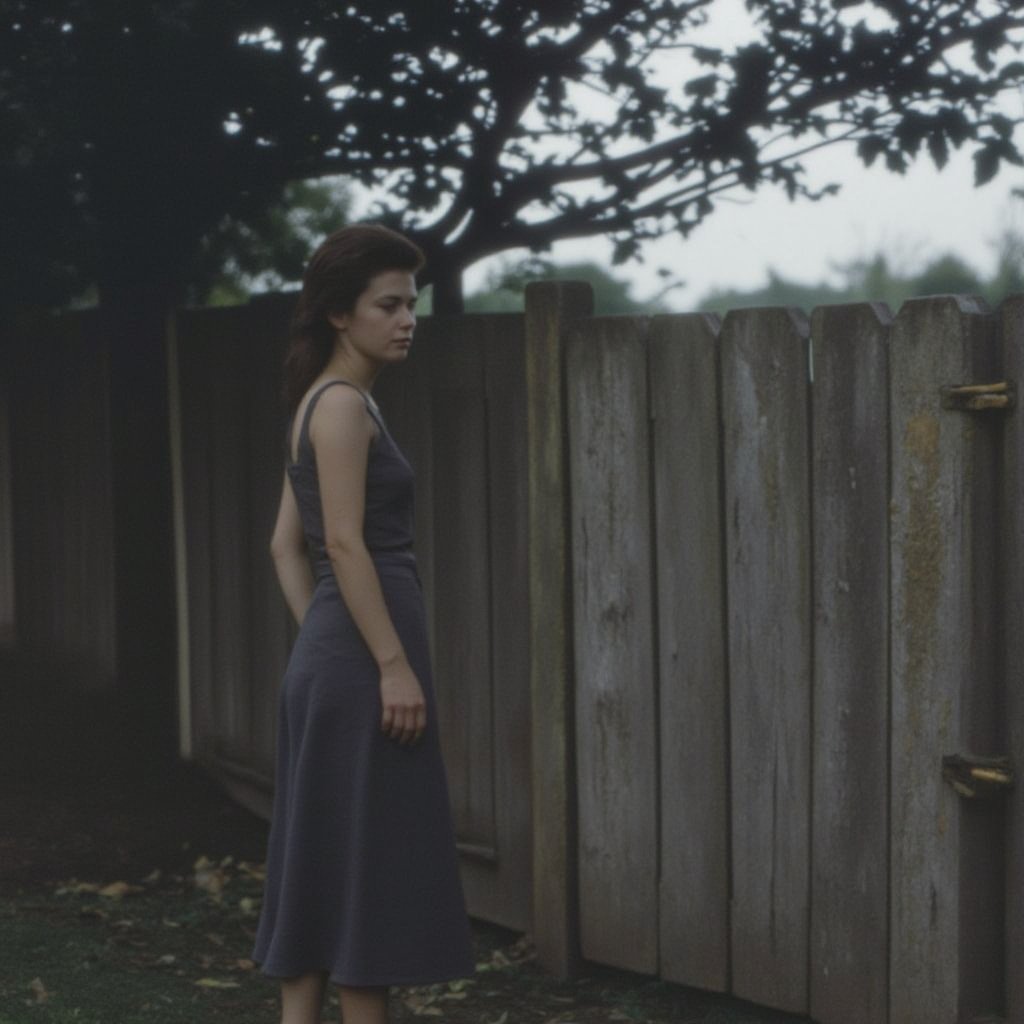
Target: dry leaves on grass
column 429, row 1000
column 39, row 993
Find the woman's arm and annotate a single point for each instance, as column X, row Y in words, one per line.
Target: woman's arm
column 288, row 548
column 341, row 430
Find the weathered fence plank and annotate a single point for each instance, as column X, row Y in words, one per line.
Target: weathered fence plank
column 693, row 699
column 504, row 893
column 261, row 354
column 7, row 620
column 232, row 448
column 61, row 482
column 764, row 400
column 1011, row 558
column 195, row 421
column 613, row 633
column 404, row 395
column 549, row 307
column 462, row 613
column 849, row 855
column 946, row 856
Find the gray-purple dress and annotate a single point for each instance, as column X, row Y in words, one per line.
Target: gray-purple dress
column 362, row 872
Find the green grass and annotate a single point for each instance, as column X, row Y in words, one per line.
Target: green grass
column 159, row 955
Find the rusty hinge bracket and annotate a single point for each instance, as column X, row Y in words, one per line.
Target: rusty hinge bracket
column 999, row 397
column 973, row 776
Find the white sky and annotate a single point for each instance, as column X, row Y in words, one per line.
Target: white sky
column 912, row 218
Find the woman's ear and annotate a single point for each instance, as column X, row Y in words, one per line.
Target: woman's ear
column 339, row 321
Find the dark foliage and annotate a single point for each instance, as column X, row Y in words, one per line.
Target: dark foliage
column 133, row 128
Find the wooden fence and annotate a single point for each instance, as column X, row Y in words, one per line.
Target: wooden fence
column 711, row 603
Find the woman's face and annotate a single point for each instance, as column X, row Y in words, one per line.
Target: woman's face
column 380, row 326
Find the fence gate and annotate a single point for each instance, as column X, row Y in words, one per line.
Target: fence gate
column 797, row 614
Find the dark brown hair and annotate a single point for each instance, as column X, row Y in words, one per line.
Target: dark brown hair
column 338, row 273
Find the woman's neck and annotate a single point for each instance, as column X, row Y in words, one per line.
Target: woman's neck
column 360, row 372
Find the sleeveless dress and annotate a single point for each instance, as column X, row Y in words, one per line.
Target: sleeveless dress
column 362, row 871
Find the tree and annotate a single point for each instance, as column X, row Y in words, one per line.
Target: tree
column 874, row 279
column 138, row 126
column 269, row 250
column 503, row 291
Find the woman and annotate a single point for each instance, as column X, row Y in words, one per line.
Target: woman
column 362, row 877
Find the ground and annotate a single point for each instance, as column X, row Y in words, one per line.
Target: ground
column 130, row 895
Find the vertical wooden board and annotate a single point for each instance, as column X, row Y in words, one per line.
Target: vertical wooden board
column 849, row 851
column 946, row 912
column 499, row 890
column 260, row 347
column 229, row 552
column 404, row 395
column 1011, row 533
column 693, row 705
column 616, row 741
column 461, row 597
column 195, row 400
column 62, row 512
column 764, row 401
column 550, row 306
column 7, row 613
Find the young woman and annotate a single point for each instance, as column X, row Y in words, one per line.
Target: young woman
column 362, row 886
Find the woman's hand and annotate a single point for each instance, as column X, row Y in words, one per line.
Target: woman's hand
column 404, row 715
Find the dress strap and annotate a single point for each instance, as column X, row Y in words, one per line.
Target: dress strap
column 303, row 438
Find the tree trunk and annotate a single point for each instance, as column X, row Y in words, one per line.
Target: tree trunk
column 447, row 289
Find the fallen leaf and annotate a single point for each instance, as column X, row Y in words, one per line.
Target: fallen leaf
column 116, row 890
column 167, row 959
column 248, row 906
column 76, row 888
column 153, row 877
column 254, row 871
column 502, row 1019
column 216, row 983
column 39, row 990
column 217, row 940
column 245, row 964
column 168, row 923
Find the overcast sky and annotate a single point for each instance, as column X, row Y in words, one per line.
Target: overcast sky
column 912, row 218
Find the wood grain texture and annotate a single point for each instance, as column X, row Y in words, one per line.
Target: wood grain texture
column 616, row 742
column 61, row 487
column 693, row 684
column 764, row 401
column 1011, row 534
column 462, row 613
column 509, row 881
column 849, row 856
column 549, row 307
column 7, row 612
column 946, row 859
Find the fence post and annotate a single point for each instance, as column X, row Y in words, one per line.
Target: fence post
column 1011, row 534
column 946, row 878
column 549, row 305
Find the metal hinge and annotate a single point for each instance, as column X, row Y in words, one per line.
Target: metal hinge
column 998, row 397
column 973, row 777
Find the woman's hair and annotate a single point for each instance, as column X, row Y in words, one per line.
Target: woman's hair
column 339, row 272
